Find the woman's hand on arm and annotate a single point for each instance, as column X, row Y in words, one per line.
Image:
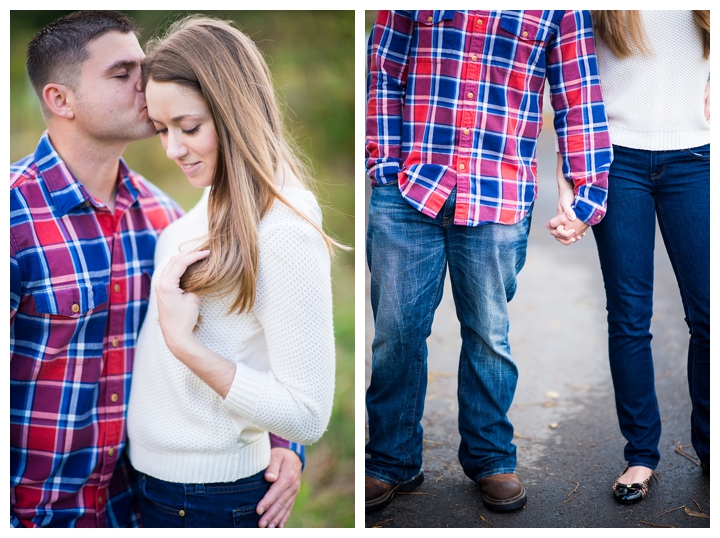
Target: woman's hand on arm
column 707, row 101
column 178, row 312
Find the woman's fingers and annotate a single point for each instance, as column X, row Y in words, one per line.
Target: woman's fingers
column 178, row 264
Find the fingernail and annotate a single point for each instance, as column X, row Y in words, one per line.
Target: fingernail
column 272, row 525
column 263, row 524
column 270, row 475
column 261, row 510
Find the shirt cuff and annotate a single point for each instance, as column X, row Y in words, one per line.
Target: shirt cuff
column 587, row 211
column 279, row 442
column 385, row 172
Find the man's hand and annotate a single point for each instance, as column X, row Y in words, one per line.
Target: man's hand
column 284, row 470
column 565, row 226
column 707, row 101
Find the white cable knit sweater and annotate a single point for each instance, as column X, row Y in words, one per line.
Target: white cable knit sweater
column 179, row 429
column 656, row 101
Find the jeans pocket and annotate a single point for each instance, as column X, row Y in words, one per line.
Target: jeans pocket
column 246, row 517
column 153, row 494
column 700, row 153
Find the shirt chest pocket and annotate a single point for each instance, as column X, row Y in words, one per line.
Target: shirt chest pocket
column 525, row 28
column 71, row 301
column 523, row 38
column 437, row 37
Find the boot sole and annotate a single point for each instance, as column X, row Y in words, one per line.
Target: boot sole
column 506, row 505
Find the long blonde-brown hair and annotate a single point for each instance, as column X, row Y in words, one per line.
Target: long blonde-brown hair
column 613, row 25
column 227, row 70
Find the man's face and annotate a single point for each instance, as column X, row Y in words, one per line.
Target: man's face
column 109, row 105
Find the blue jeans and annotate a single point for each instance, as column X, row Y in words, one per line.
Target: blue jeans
column 408, row 254
column 675, row 187
column 170, row 504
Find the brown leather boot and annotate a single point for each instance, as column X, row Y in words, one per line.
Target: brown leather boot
column 503, row 492
column 378, row 494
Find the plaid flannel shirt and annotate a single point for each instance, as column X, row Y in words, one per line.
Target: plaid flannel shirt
column 455, row 102
column 79, row 286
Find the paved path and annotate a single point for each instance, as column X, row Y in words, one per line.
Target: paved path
column 569, row 444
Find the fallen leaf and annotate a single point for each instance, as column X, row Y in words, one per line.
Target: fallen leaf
column 695, row 513
column 552, row 394
column 553, row 425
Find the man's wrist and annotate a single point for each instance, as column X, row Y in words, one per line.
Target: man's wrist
column 279, row 442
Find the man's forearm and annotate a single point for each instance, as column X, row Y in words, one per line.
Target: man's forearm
column 387, row 70
column 580, row 118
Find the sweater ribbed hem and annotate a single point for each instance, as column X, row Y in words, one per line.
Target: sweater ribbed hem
column 199, row 467
column 658, row 140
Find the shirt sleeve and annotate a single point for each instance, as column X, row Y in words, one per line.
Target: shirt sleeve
column 580, row 119
column 294, row 306
column 387, row 59
column 279, row 442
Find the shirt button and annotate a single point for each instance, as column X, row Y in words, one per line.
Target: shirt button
column 75, row 307
column 100, row 499
column 598, row 217
column 471, row 95
column 462, row 167
column 111, row 451
column 474, row 57
column 525, row 34
column 115, row 342
column 429, row 20
column 466, row 131
column 114, row 397
column 479, row 22
column 117, row 287
column 181, row 513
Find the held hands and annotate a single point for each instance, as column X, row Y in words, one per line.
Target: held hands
column 178, row 310
column 565, row 226
column 284, row 471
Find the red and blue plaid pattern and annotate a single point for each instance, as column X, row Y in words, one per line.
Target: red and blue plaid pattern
column 79, row 285
column 455, row 102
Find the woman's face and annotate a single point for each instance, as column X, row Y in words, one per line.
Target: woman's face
column 186, row 129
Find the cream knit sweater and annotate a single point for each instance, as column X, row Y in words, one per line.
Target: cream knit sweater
column 656, row 101
column 179, row 429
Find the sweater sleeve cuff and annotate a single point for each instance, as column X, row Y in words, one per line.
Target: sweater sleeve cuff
column 246, row 390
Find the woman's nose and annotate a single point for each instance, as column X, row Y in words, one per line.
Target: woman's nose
column 175, row 148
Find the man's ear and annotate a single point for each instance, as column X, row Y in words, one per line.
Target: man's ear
column 60, row 100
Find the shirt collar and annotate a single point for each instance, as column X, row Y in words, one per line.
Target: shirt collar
column 65, row 190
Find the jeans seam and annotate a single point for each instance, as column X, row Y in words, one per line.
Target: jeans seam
column 684, row 292
column 427, row 327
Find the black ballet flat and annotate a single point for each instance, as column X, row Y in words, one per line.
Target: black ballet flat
column 631, row 493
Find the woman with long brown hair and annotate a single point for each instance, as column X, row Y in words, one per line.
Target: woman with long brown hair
column 238, row 339
column 655, row 74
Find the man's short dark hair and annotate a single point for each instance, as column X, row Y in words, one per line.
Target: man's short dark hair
column 57, row 52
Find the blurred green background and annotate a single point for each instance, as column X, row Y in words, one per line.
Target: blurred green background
column 311, row 56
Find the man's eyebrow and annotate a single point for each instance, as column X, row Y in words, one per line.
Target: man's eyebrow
column 122, row 63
